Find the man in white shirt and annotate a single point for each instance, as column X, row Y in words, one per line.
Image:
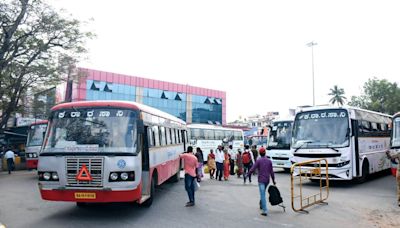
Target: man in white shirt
column 10, row 156
column 219, row 160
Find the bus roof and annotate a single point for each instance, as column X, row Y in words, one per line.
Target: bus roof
column 39, row 122
column 213, row 127
column 396, row 115
column 118, row 104
column 359, row 112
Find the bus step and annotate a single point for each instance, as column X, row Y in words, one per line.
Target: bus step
column 144, row 198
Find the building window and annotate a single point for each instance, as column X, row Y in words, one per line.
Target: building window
column 95, row 86
column 108, row 87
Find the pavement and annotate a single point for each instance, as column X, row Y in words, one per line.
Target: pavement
column 218, row 204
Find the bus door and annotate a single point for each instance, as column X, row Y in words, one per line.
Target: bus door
column 184, row 139
column 355, row 147
column 144, row 150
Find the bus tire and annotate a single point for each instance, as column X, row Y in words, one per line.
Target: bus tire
column 365, row 172
column 286, row 170
column 175, row 178
column 149, row 202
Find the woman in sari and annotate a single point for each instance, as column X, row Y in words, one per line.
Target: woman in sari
column 211, row 163
column 226, row 165
column 199, row 156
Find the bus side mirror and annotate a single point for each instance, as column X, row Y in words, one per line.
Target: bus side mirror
column 140, row 127
column 348, row 133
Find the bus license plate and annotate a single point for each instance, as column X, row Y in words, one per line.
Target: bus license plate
column 85, row 195
column 279, row 163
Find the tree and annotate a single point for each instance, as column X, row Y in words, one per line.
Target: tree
column 37, row 47
column 337, row 95
column 378, row 95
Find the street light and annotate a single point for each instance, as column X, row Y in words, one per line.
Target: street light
column 312, row 44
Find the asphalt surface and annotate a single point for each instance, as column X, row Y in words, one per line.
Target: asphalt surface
column 218, row 204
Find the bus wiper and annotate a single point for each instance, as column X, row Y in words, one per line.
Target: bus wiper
column 306, row 142
column 333, row 148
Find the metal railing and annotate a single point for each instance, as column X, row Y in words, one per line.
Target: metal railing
column 302, row 173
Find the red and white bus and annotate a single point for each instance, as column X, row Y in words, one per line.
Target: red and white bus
column 34, row 142
column 109, row 151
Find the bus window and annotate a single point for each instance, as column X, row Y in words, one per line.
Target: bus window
column 162, row 136
column 156, row 137
column 238, row 135
column 171, row 136
column 179, row 136
column 374, row 127
column 168, row 136
column 197, row 133
column 150, row 137
column 228, row 135
column 219, row 134
column 209, row 134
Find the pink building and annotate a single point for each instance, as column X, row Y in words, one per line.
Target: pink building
column 189, row 103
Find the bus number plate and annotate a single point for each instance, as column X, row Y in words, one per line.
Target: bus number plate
column 85, row 195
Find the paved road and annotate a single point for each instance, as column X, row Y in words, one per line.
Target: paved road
column 219, row 204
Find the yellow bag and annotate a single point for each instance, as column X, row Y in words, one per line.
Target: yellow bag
column 206, row 169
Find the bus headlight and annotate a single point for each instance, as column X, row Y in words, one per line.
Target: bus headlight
column 124, row 176
column 34, row 155
column 46, row 176
column 30, row 155
column 114, row 176
column 54, row 176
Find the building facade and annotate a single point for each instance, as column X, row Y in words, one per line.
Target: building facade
column 189, row 103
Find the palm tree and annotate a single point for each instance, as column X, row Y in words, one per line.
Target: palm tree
column 337, row 95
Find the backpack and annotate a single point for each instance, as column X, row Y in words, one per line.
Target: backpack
column 246, row 157
column 274, row 195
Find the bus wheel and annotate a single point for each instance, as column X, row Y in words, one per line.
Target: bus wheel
column 149, row 202
column 365, row 172
column 286, row 170
column 177, row 176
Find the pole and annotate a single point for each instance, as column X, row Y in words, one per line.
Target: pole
column 312, row 44
column 313, row 84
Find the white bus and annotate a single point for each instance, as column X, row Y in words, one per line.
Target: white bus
column 109, row 151
column 257, row 141
column 34, row 142
column 353, row 140
column 395, row 140
column 278, row 147
column 210, row 136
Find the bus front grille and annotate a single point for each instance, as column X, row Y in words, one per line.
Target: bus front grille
column 94, row 167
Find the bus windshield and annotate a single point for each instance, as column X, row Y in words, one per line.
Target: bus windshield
column 92, row 130
column 396, row 132
column 280, row 135
column 36, row 135
column 321, row 129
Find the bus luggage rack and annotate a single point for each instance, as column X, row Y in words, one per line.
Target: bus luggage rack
column 94, row 166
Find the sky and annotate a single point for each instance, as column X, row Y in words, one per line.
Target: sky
column 254, row 50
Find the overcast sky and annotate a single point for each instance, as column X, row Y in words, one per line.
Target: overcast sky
column 254, row 50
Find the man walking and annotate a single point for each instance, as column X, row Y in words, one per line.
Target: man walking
column 190, row 165
column 232, row 159
column 219, row 159
column 396, row 155
column 10, row 156
column 248, row 161
column 265, row 171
